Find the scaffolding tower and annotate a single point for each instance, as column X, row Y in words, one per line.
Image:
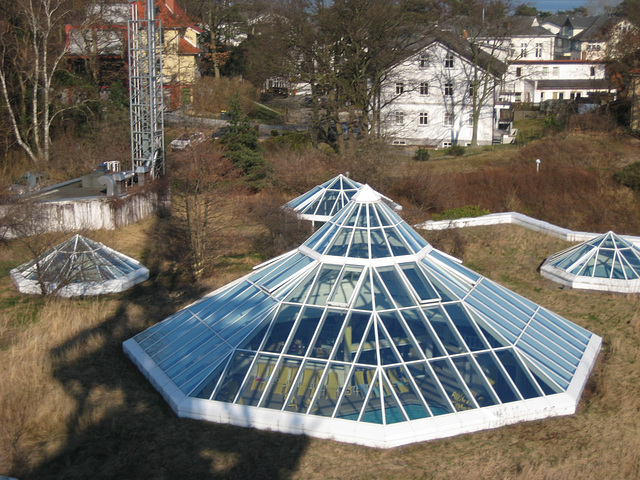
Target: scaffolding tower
column 145, row 90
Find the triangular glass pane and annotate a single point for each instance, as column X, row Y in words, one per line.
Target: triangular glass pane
column 209, row 384
column 281, row 385
column 518, row 373
column 406, row 392
column 465, row 327
column 423, row 333
column 443, row 329
column 386, row 348
column 392, row 411
column 369, row 348
column 497, row 379
column 353, row 398
column 430, row 389
column 456, row 392
column 309, row 321
column 383, row 302
column 306, row 384
column 398, row 245
column 372, row 412
column 396, row 287
column 352, row 336
column 330, row 390
column 328, row 335
column 475, row 381
column 281, row 329
column 400, row 336
column 364, row 298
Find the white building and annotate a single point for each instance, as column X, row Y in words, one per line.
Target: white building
column 428, row 99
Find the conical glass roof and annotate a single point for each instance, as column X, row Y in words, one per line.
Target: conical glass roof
column 79, row 266
column 324, row 201
column 366, row 334
column 607, row 262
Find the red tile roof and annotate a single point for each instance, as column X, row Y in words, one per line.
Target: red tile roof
column 186, row 48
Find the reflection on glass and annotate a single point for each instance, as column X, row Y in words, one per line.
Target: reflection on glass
column 328, row 335
column 345, row 285
column 429, row 388
column 400, row 336
column 517, row 373
column 323, row 284
column 406, row 392
column 330, row 390
column 423, row 333
column 281, row 384
column 443, row 329
column 352, row 337
column 234, row 377
column 309, row 320
column 281, row 328
column 498, row 380
column 451, row 384
column 305, row 386
column 257, row 380
column 475, row 382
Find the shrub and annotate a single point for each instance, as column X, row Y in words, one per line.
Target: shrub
column 455, row 150
column 421, row 155
column 274, row 133
column 461, row 212
column 629, row 176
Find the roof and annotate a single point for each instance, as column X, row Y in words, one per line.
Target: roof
column 186, row 48
column 596, row 31
column 172, row 15
column 579, row 84
column 607, row 263
column 366, row 334
column 522, row 25
column 323, row 201
column 79, row 266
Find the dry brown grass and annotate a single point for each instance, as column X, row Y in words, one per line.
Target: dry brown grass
column 73, row 406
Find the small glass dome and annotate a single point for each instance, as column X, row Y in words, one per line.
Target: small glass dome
column 607, row 263
column 366, row 334
column 79, row 266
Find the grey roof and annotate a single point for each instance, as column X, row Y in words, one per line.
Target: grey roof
column 524, row 26
column 596, row 31
column 366, row 334
column 557, row 19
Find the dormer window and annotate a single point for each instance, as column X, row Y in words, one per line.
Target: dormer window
column 423, row 61
column 448, row 60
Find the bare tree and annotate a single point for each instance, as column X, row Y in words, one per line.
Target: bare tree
column 32, row 48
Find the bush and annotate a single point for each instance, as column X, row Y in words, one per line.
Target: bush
column 455, row 150
column 421, row 155
column 461, row 212
column 629, row 176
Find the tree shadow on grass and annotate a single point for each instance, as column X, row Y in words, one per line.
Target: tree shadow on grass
column 122, row 428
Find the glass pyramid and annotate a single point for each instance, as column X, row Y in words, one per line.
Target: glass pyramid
column 79, row 266
column 323, row 201
column 366, row 334
column 607, row 262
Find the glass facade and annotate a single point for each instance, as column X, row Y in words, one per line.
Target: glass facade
column 366, row 323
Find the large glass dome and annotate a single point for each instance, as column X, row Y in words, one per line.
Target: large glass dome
column 366, row 334
column 79, row 266
column 608, row 263
column 323, row 201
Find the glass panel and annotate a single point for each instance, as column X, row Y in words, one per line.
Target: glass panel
column 400, row 336
column 379, row 247
column 518, row 373
column 383, row 302
column 369, row 348
column 385, row 347
column 346, row 285
column 588, row 268
column 321, row 245
column 465, row 327
column 352, row 337
column 360, row 244
column 423, row 333
column 234, row 377
column 398, row 245
column 415, row 241
column 393, row 413
column 282, row 327
column 632, row 257
column 475, row 382
column 447, row 291
column 292, row 270
column 419, row 282
column 372, row 412
column 373, row 218
column 330, row 197
column 274, row 270
column 324, row 284
column 301, row 291
column 353, row 398
column 328, row 335
column 281, row 385
column 362, row 217
column 253, row 341
column 618, row 270
column 449, row 380
column 199, row 331
column 351, row 221
column 364, row 298
column 498, row 380
column 406, row 392
column 257, row 380
column 306, row 384
column 430, row 389
column 206, row 388
column 443, row 329
column 560, row 370
column 341, row 243
column 493, row 337
column 384, row 220
column 309, row 320
column 330, row 390
column 456, row 267
column 396, row 286
column 603, row 265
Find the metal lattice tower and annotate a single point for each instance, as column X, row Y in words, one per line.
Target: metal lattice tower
column 145, row 91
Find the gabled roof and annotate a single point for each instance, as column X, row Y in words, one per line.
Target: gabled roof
column 526, row 26
column 607, row 263
column 323, row 201
column 366, row 334
column 79, row 266
column 596, row 31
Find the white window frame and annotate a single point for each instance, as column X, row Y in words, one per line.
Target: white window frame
column 523, row 50
column 538, row 50
column 399, row 88
column 448, row 89
column 398, row 117
column 448, row 119
column 470, row 120
column 423, row 61
column 424, row 88
column 448, row 60
column 423, row 119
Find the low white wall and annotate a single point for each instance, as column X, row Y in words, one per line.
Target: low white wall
column 91, row 213
column 517, row 219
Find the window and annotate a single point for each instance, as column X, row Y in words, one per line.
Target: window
column 446, row 144
column 542, row 96
column 538, row 50
column 448, row 89
column 423, row 61
column 399, row 88
column 523, row 50
column 593, row 71
column 518, row 71
column 424, row 118
column 448, row 60
column 470, row 121
column 518, row 96
column 545, row 72
column 399, row 118
column 471, row 90
column 424, row 88
column 556, row 71
column 561, row 96
column 448, row 119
